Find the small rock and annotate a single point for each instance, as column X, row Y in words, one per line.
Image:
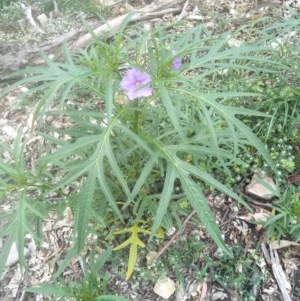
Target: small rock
column 171, row 231
column 261, row 187
column 13, row 255
column 183, row 293
column 164, row 287
column 10, row 131
column 219, row 253
column 151, row 258
column 232, row 42
column 219, row 296
column 43, row 19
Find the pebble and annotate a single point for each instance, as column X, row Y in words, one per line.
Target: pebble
column 257, row 189
column 13, row 256
column 164, row 287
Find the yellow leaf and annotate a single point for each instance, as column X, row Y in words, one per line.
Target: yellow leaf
column 160, row 233
column 134, row 241
column 131, row 260
column 123, row 244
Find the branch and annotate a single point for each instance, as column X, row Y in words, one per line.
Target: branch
column 279, row 275
column 17, row 58
column 148, row 12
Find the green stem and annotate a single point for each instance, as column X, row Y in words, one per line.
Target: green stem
column 136, row 123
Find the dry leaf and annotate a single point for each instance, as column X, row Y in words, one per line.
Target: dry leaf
column 275, row 245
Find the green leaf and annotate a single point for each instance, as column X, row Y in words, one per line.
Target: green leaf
column 200, row 205
column 84, row 209
column 228, row 113
column 5, row 250
column 183, row 171
column 170, row 109
column 111, row 298
column 109, row 95
column 18, row 224
column 72, row 147
column 165, row 198
column 117, row 171
column 147, row 169
column 66, row 261
column 207, row 178
column 56, row 290
column 107, row 191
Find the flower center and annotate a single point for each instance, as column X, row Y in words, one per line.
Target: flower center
column 137, row 83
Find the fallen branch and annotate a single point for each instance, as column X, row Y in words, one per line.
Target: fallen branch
column 148, row 12
column 13, row 58
column 279, row 275
column 28, row 13
column 183, row 11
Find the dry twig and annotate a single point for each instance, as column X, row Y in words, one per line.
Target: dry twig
column 175, row 236
column 273, row 260
column 183, row 11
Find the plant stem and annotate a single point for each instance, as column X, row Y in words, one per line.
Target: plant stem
column 136, row 126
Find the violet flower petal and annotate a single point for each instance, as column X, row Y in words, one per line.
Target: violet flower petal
column 135, row 84
column 176, row 63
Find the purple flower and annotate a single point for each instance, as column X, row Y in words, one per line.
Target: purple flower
column 176, row 64
column 135, row 84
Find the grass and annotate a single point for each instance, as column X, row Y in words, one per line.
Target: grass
column 132, row 169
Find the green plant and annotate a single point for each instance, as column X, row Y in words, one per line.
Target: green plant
column 188, row 259
column 10, row 13
column 92, row 287
column 129, row 153
column 239, row 274
column 89, row 6
column 286, row 216
column 186, row 255
column 183, row 257
column 4, row 3
column 282, row 152
column 279, row 98
column 24, row 189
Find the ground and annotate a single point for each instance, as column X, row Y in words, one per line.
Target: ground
column 247, row 239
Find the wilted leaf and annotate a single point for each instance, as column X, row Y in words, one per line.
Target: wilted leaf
column 279, row 244
column 134, row 241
